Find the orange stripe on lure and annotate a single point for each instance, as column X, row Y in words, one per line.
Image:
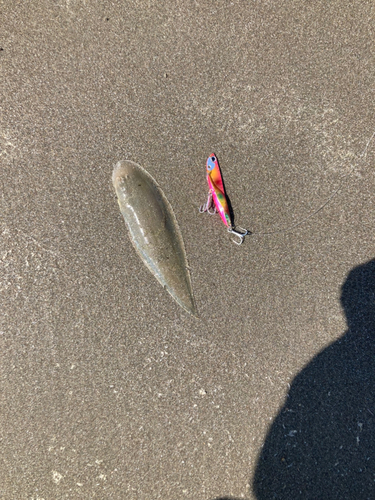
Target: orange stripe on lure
column 218, row 200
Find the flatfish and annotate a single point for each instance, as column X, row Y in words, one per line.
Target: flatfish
column 153, row 230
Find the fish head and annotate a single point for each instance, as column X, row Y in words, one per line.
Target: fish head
column 126, row 179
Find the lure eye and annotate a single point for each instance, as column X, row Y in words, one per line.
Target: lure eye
column 213, row 158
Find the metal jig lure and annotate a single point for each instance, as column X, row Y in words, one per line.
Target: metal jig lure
column 217, row 200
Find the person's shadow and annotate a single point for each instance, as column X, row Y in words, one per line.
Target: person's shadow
column 322, row 443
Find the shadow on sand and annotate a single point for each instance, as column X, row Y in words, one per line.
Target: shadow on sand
column 322, row 443
column 227, row 498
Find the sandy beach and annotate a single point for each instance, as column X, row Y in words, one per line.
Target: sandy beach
column 109, row 389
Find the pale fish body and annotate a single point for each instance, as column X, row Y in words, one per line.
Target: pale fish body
column 154, row 231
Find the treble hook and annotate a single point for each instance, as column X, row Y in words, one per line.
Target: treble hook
column 241, row 234
column 206, row 206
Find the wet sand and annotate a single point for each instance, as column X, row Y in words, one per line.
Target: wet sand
column 109, row 389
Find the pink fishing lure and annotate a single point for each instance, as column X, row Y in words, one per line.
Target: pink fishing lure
column 218, row 200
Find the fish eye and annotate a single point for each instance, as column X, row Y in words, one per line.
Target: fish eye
column 213, row 158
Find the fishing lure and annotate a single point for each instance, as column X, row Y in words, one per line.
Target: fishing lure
column 154, row 231
column 218, row 201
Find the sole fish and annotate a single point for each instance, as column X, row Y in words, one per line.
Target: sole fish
column 153, row 230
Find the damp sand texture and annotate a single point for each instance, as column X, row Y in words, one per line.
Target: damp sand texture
column 153, row 230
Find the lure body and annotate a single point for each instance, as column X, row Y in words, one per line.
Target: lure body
column 154, row 231
column 216, row 186
column 218, row 197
